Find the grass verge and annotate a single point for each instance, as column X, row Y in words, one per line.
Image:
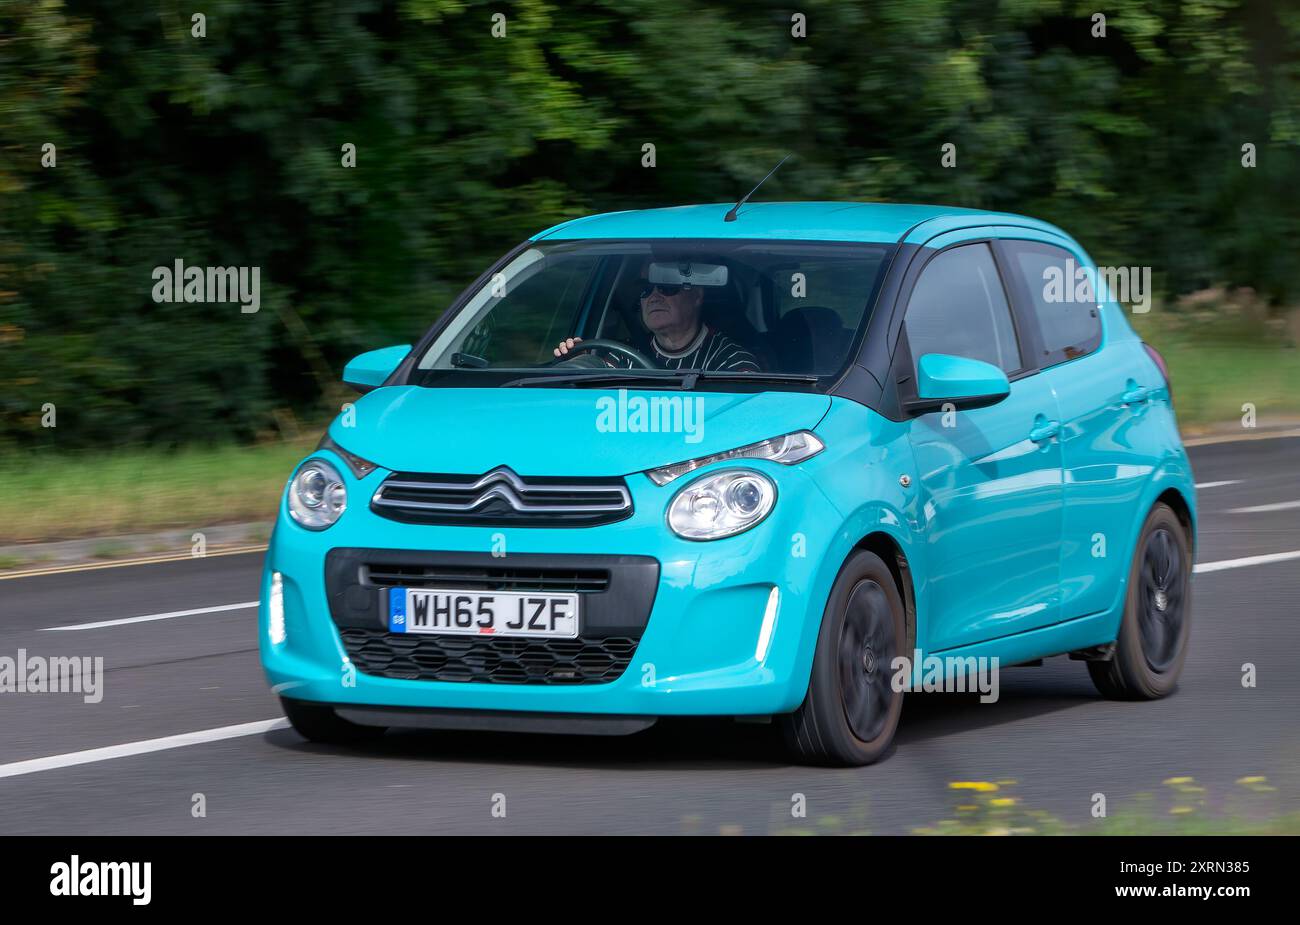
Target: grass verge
column 1222, row 355
column 51, row 497
column 1181, row 807
column 1217, row 364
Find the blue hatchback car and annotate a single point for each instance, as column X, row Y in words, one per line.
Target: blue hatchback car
column 775, row 467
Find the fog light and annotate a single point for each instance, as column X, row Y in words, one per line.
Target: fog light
column 769, row 621
column 275, row 610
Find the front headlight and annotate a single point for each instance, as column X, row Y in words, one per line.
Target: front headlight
column 317, row 495
column 360, row 467
column 787, row 449
column 722, row 504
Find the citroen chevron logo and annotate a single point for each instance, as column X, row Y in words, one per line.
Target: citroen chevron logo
column 502, row 484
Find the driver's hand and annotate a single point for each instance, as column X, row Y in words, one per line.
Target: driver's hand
column 566, row 346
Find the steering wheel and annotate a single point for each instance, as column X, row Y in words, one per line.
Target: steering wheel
column 639, row 359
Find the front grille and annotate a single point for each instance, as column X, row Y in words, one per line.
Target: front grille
column 616, row 592
column 408, row 575
column 501, row 660
column 502, row 498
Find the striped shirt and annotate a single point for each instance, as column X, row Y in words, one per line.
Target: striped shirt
column 711, row 351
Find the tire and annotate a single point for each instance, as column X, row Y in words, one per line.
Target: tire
column 850, row 712
column 1152, row 641
column 318, row 722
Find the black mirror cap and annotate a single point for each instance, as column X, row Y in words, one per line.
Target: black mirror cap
column 919, row 406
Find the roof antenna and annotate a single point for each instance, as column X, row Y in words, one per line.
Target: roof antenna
column 731, row 216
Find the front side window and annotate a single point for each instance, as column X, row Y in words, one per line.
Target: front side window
column 741, row 308
column 958, row 307
column 537, row 305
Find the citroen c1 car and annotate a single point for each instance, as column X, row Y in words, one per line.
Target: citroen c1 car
column 934, row 459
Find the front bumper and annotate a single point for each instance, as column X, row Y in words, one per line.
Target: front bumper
column 702, row 648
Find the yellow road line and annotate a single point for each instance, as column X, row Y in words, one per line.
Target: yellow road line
column 1236, row 438
column 120, row 563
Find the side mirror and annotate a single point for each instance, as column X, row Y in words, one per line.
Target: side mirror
column 369, row 370
column 958, row 381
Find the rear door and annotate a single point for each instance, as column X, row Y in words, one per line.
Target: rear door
column 990, row 478
column 1104, row 385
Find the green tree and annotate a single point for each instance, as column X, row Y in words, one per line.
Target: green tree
column 227, row 150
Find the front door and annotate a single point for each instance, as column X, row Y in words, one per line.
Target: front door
column 991, row 497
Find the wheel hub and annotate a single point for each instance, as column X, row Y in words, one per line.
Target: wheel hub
column 1163, row 589
column 866, row 647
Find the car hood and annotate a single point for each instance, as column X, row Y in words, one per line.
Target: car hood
column 561, row 431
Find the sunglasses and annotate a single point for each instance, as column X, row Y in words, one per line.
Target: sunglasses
column 668, row 291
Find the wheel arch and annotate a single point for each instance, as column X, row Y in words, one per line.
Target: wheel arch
column 895, row 559
column 1173, row 486
column 1175, row 500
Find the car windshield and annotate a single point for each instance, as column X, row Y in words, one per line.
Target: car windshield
column 649, row 310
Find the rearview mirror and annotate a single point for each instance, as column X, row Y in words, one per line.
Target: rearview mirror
column 960, row 382
column 369, row 370
column 688, row 273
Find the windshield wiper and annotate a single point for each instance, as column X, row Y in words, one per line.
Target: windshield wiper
column 725, row 376
column 681, row 379
column 638, row 377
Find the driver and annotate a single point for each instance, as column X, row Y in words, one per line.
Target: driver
column 681, row 339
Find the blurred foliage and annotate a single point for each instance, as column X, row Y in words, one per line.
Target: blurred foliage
column 226, row 150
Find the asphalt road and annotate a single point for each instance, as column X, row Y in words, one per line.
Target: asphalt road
column 1049, row 731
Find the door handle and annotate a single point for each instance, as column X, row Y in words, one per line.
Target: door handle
column 1136, row 395
column 1044, row 432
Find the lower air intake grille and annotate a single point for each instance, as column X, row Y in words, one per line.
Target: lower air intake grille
column 615, row 596
column 492, row 578
column 502, row 660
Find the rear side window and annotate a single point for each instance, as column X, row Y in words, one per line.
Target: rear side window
column 959, row 307
column 1069, row 328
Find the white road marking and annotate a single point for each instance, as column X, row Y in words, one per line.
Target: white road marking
column 53, row 762
column 247, row 605
column 1265, row 508
column 203, row 736
column 1248, row 560
column 1200, row 485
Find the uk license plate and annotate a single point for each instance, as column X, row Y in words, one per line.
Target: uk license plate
column 482, row 613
